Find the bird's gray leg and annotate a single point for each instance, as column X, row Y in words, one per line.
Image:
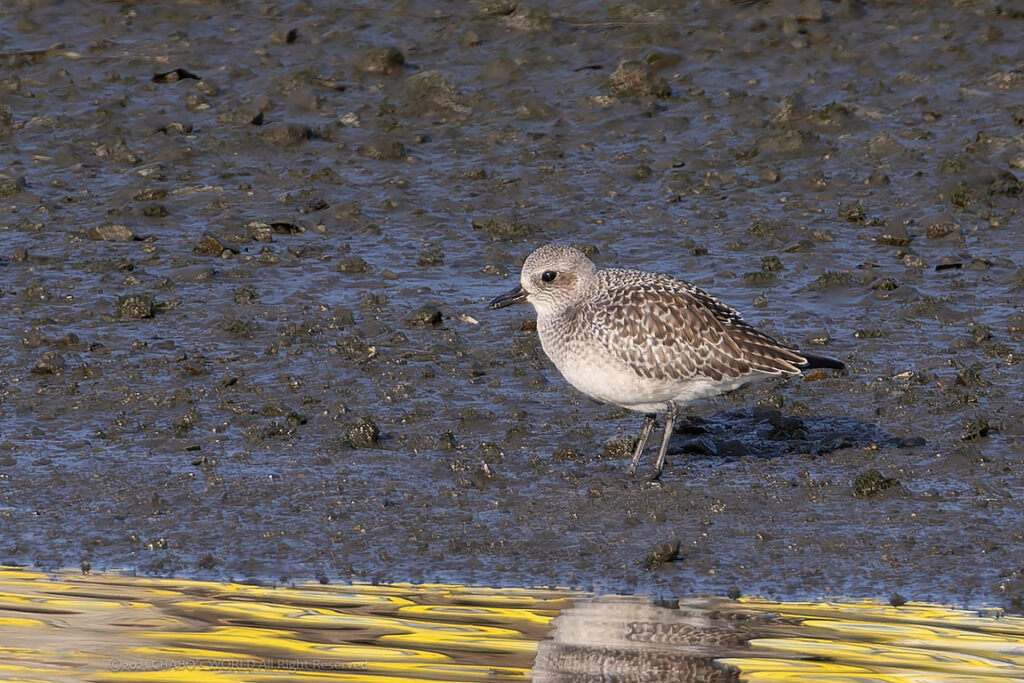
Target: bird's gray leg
column 670, row 421
column 644, row 433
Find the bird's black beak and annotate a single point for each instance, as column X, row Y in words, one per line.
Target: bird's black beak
column 515, row 296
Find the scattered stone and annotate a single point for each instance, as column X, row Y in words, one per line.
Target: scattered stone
column 833, row 117
column 490, row 453
column 12, row 187
column 911, row 260
column 193, row 102
column 245, row 295
column 430, row 93
column 6, row 120
column 210, row 245
column 383, row 148
column 884, row 145
column 239, row 327
column 589, row 250
column 283, row 37
column 174, row 75
column 494, row 269
column 879, row 179
column 895, row 236
column 285, row 134
column 260, row 231
column 381, row 60
column 885, row 284
column 134, row 307
column 642, row 172
column 980, row 333
column 150, row 194
column 662, row 554
column 430, row 255
column 69, row 340
column 792, row 108
column 981, row 184
column 975, row 428
column 208, row 87
column 526, row 18
column 766, row 229
column 504, row 228
column 636, row 79
column 943, row 228
column 364, row 433
column 353, row 264
column 286, row 227
column 174, row 128
column 871, row 483
column 564, row 452
column 759, row 278
column 313, row 205
column 820, row 338
column 111, row 232
column 498, row 8
column 830, row 279
column 427, row 316
column 1016, row 324
column 50, row 363
column 787, row 142
column 621, row 447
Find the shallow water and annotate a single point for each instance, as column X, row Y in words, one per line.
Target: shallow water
column 115, row 627
column 292, row 221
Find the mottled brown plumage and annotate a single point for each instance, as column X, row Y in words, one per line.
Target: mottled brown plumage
column 644, row 341
column 660, row 315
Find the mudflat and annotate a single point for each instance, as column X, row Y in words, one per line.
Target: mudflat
column 246, row 250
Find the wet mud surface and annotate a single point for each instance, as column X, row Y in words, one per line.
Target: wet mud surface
column 246, row 249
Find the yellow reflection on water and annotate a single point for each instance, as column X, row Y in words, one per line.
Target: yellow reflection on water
column 65, row 626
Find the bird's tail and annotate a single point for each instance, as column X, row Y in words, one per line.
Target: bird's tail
column 821, row 362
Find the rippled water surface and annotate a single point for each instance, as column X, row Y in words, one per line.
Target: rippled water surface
column 120, row 627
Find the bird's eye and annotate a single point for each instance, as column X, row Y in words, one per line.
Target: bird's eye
column 548, row 275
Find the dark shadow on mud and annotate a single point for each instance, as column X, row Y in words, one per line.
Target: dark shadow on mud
column 766, row 433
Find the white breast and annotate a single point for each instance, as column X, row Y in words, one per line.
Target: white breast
column 598, row 374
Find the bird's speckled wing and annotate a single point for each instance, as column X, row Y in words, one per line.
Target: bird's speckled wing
column 669, row 329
